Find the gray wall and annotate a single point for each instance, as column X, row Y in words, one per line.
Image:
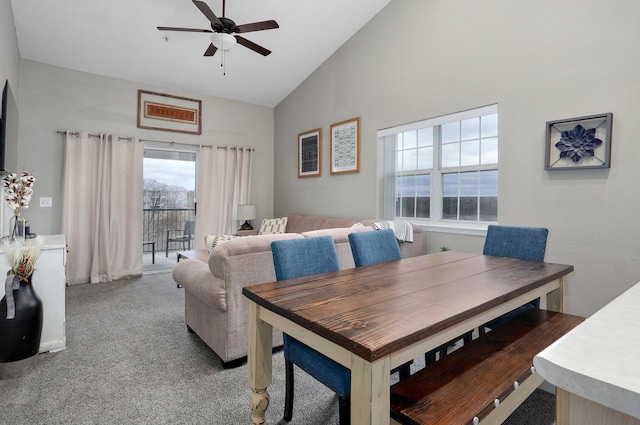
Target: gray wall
column 539, row 61
column 54, row 98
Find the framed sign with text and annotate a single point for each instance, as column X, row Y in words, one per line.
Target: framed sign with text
column 345, row 147
column 159, row 111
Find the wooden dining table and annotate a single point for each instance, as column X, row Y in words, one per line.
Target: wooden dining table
column 372, row 319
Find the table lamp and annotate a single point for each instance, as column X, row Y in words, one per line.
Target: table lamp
column 246, row 212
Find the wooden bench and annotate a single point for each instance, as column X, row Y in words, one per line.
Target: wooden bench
column 486, row 379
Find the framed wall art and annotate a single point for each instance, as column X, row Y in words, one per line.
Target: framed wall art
column 579, row 143
column 159, row 111
column 310, row 153
column 345, row 147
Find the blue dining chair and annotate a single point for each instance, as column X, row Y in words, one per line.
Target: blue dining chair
column 378, row 246
column 381, row 246
column 304, row 257
column 524, row 243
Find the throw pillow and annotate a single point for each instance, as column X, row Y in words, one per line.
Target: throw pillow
column 272, row 226
column 211, row 241
column 357, row 226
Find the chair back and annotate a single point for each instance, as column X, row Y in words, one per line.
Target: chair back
column 189, row 227
column 524, row 243
column 378, row 246
column 304, row 257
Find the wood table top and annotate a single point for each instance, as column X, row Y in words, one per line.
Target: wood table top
column 376, row 310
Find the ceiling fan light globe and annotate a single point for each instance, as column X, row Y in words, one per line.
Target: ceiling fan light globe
column 223, row 41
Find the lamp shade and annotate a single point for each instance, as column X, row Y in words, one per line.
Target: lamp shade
column 246, row 212
column 223, row 41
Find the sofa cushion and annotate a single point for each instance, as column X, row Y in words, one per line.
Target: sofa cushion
column 305, row 223
column 271, row 226
column 211, row 241
column 340, row 235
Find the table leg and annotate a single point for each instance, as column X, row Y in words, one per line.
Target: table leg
column 259, row 365
column 370, row 391
column 557, row 300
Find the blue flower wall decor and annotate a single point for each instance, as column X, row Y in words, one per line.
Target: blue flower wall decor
column 578, row 143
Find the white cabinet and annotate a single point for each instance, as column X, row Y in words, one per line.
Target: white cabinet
column 49, row 283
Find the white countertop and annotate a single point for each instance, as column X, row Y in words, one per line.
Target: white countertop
column 600, row 359
column 49, row 242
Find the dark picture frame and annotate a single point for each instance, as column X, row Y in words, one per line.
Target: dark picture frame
column 345, row 146
column 161, row 111
column 579, row 143
column 310, row 153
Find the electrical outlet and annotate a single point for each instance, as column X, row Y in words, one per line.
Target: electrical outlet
column 46, row 202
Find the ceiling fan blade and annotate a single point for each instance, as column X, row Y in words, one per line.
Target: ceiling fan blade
column 256, row 26
column 206, row 10
column 253, row 46
column 211, row 50
column 183, row 29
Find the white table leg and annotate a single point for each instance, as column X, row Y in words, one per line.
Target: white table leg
column 370, row 402
column 259, row 365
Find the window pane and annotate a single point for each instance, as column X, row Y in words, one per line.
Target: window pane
column 451, row 132
column 410, row 139
column 469, row 184
column 406, row 186
column 469, row 208
column 399, row 141
column 470, row 129
column 409, row 159
column 470, row 153
column 451, row 155
column 425, row 136
column 423, row 185
column 489, row 208
column 489, row 183
column 450, row 208
column 489, row 151
column 425, row 158
column 408, row 205
column 423, row 207
column 450, row 184
column 489, row 125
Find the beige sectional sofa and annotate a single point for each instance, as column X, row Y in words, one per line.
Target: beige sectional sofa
column 215, row 308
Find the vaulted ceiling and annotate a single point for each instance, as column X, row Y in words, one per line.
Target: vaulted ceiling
column 119, row 38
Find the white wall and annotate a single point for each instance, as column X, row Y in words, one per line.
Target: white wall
column 54, row 98
column 539, row 61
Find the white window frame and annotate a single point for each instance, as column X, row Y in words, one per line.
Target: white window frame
column 436, row 223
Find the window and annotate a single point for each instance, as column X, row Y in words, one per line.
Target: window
column 443, row 169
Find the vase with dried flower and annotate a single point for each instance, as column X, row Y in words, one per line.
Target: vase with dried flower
column 18, row 190
column 20, row 310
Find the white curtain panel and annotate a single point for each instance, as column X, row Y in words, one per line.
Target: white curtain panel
column 389, row 180
column 102, row 207
column 224, row 181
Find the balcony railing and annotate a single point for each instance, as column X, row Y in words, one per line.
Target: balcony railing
column 156, row 222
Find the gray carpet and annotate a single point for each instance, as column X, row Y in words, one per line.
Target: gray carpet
column 130, row 359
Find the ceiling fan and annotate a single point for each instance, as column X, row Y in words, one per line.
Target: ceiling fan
column 224, row 30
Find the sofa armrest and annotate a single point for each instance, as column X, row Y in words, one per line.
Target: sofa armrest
column 196, row 278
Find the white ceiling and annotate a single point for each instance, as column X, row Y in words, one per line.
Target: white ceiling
column 119, row 38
